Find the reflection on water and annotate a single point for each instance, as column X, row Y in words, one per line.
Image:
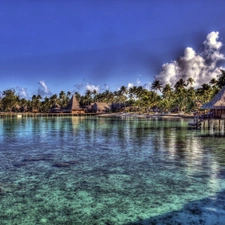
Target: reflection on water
column 90, row 170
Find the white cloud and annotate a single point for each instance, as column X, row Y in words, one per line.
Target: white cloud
column 92, row 87
column 22, row 92
column 82, row 87
column 43, row 89
column 169, row 73
column 201, row 67
column 138, row 82
column 130, row 85
column 189, row 54
column 212, row 42
column 147, row 86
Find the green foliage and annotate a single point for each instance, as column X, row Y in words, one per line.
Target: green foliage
column 221, row 79
column 181, row 97
column 9, row 100
column 156, row 85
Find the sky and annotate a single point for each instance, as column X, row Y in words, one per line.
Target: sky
column 47, row 46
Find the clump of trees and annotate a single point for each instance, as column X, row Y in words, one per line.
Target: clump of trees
column 164, row 98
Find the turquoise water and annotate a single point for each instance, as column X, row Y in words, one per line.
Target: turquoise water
column 105, row 171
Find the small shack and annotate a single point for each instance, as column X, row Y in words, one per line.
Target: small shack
column 118, row 106
column 217, row 105
column 73, row 107
column 55, row 108
column 89, row 108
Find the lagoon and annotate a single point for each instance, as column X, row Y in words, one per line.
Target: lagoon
column 110, row 171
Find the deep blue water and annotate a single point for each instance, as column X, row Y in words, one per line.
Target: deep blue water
column 95, row 170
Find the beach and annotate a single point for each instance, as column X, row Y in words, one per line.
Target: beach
column 147, row 115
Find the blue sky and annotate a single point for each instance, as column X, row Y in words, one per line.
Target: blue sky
column 70, row 45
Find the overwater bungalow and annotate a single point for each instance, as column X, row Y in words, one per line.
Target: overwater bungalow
column 217, row 105
column 215, row 112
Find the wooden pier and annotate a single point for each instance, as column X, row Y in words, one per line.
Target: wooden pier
column 207, row 122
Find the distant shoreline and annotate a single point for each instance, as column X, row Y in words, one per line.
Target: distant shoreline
column 146, row 115
column 31, row 114
column 119, row 114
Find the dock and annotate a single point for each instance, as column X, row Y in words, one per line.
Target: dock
column 207, row 121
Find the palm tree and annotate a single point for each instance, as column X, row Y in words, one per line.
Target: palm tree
column 213, row 82
column 122, row 95
column 108, row 96
column 68, row 94
column 132, row 92
column 36, row 102
column 221, row 79
column 139, row 91
column 53, row 99
column 190, row 81
column 191, row 99
column 165, row 105
column 62, row 99
column 180, row 98
column 167, row 90
column 205, row 92
column 156, row 86
column 62, row 95
column 88, row 96
column 149, row 99
column 77, row 95
column 123, row 90
column 180, row 84
column 46, row 104
column 23, row 104
column 94, row 92
column 168, row 98
column 9, row 100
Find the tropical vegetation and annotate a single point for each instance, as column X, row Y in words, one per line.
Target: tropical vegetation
column 164, row 98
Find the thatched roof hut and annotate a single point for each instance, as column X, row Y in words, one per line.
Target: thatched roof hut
column 118, row 106
column 73, row 106
column 89, row 108
column 55, row 108
column 218, row 101
column 101, row 107
column 217, row 104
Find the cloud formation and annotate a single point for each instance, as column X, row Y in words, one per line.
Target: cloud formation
column 91, row 87
column 201, row 67
column 83, row 87
column 130, row 85
column 138, row 83
column 43, row 89
column 22, row 92
column 147, row 86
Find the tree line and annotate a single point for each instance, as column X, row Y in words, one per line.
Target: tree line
column 164, row 98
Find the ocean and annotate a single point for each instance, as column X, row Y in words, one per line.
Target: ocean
column 110, row 171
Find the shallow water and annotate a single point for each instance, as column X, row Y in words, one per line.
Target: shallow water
column 90, row 170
